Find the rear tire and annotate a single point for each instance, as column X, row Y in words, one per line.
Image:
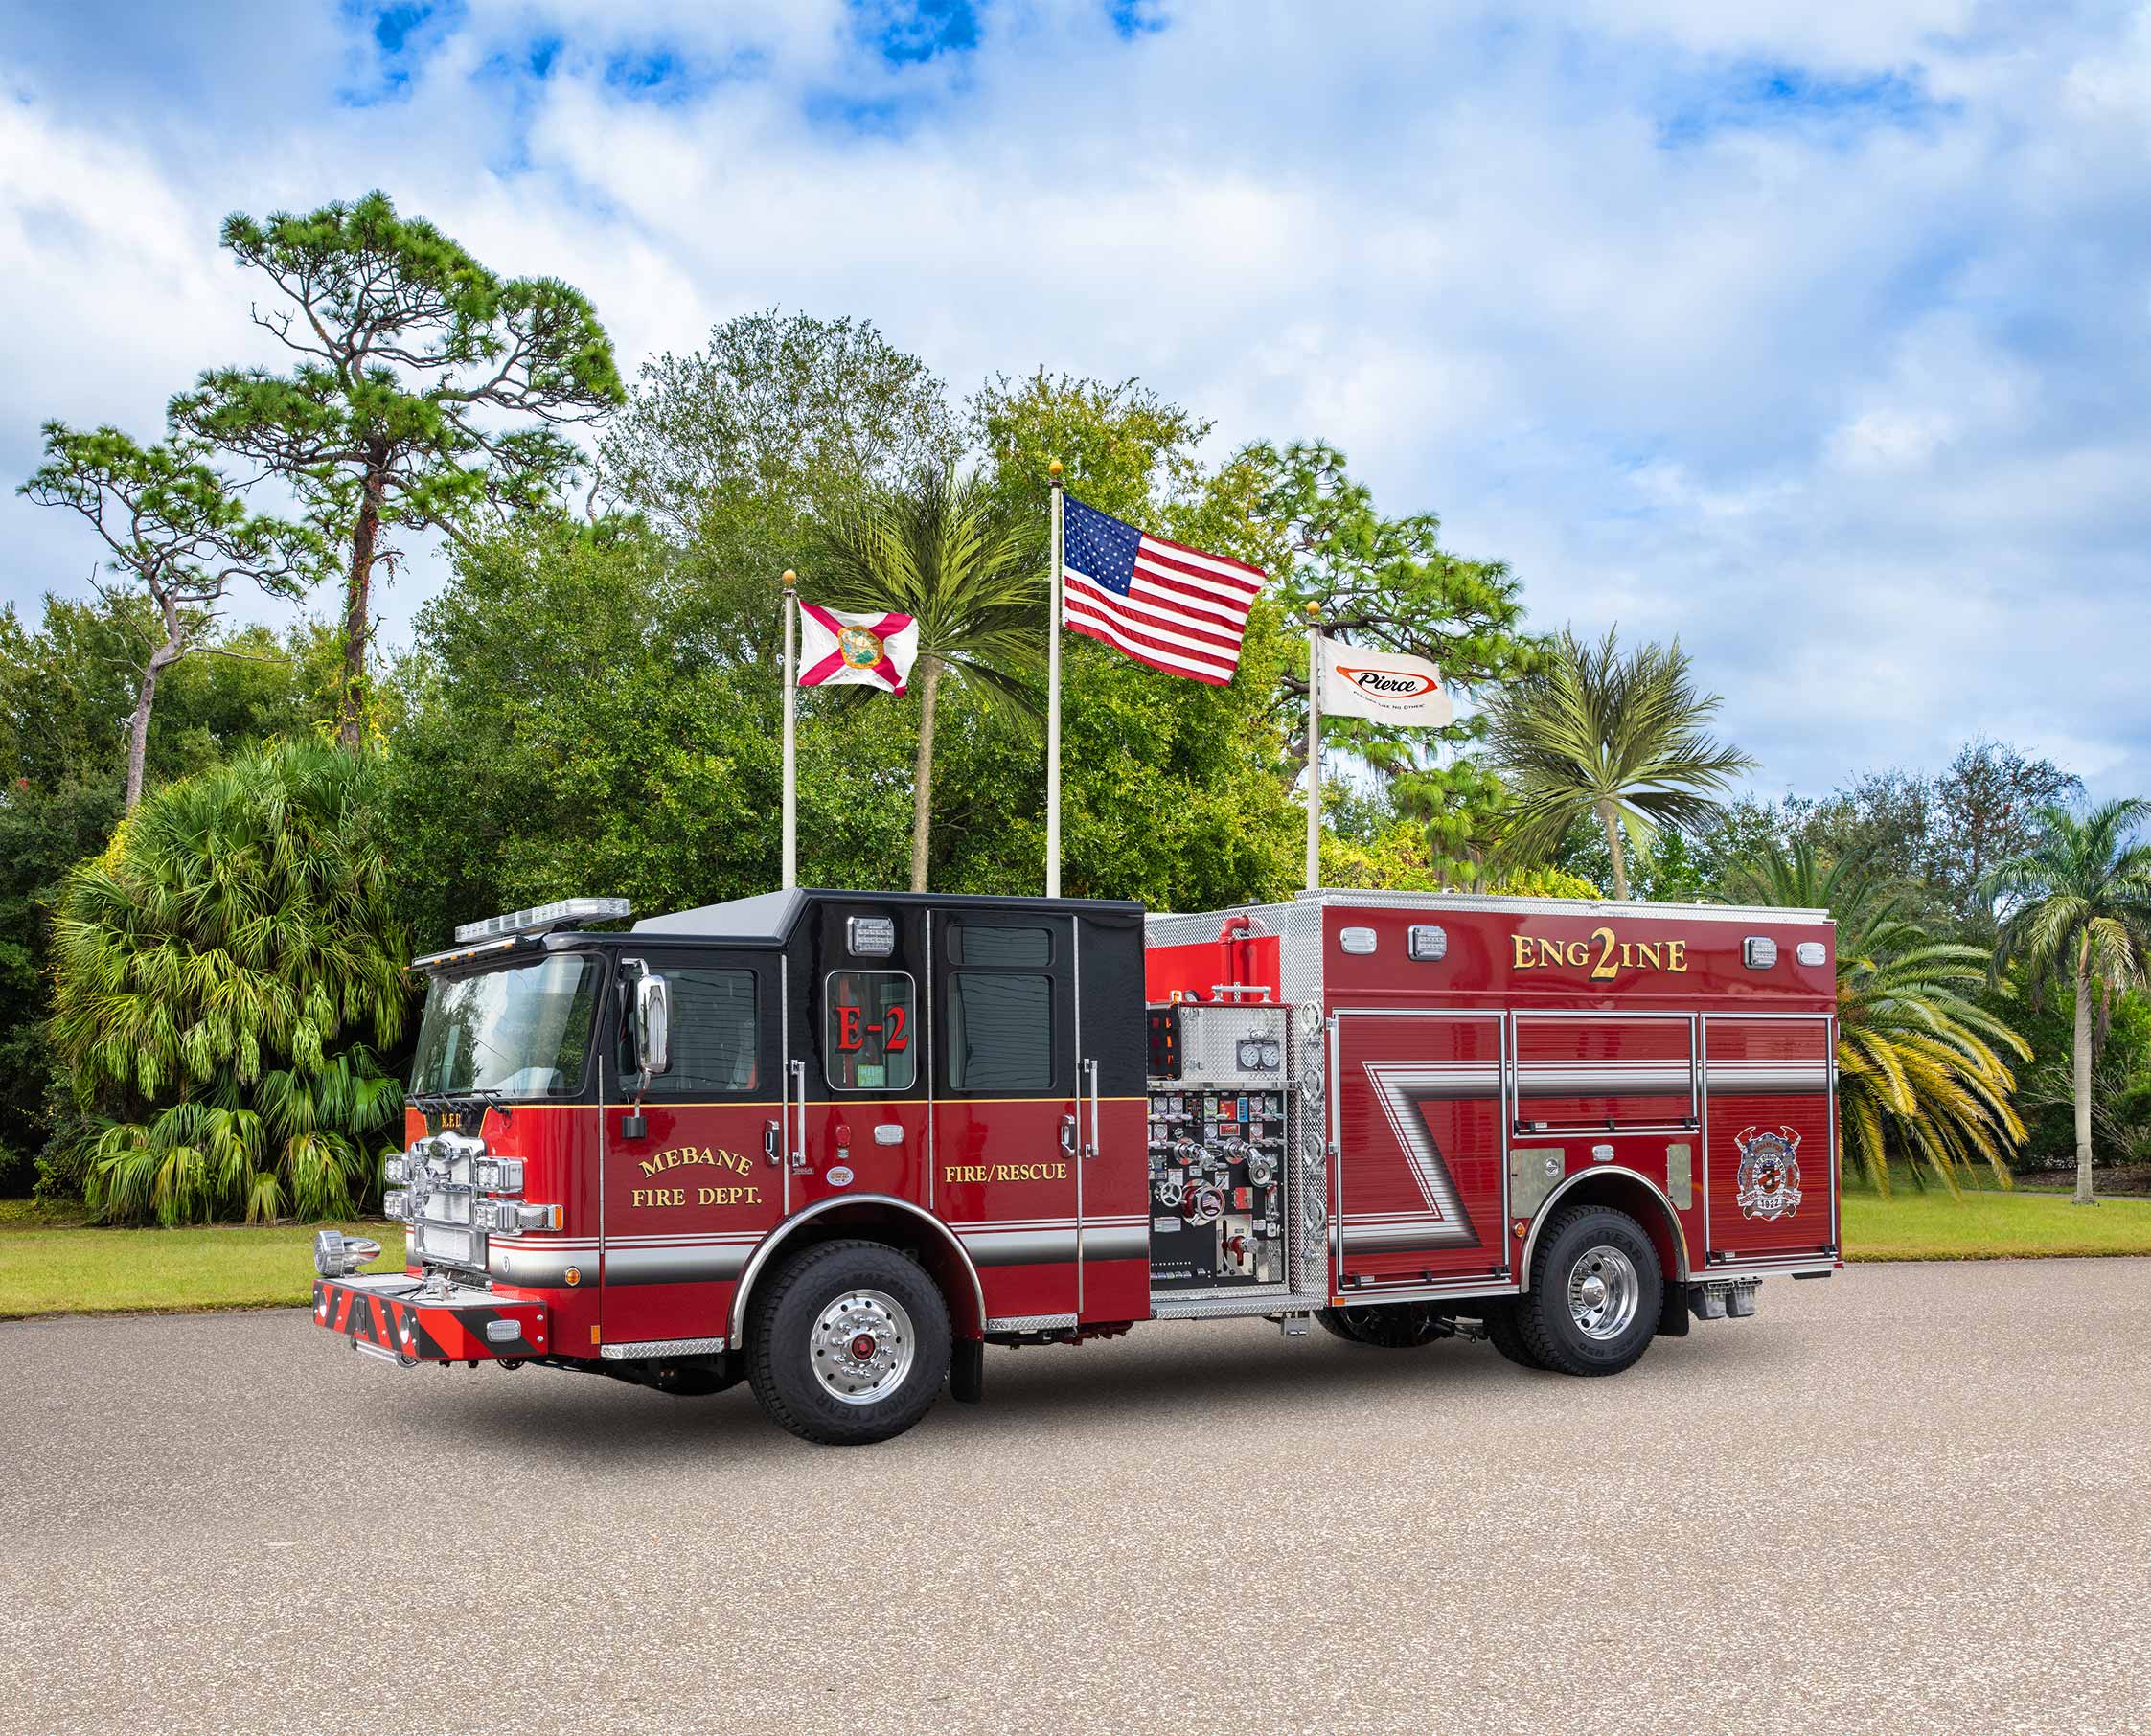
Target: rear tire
column 848, row 1344
column 1388, row 1325
column 1595, row 1293
column 1508, row 1338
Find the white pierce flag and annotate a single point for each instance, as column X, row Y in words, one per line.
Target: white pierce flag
column 1385, row 686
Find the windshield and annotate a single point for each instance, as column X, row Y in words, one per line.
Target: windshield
column 521, row 1032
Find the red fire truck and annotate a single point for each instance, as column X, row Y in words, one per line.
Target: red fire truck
column 836, row 1143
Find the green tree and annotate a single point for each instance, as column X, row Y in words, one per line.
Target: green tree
column 2120, row 1073
column 735, row 450
column 1938, row 836
column 2078, row 906
column 172, row 526
column 1621, row 738
column 426, row 390
column 1919, row 1069
column 1388, row 583
column 1172, row 790
column 67, row 690
column 43, row 834
column 217, row 975
column 573, row 721
column 944, row 551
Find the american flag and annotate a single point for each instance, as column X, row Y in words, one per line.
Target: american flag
column 1163, row 603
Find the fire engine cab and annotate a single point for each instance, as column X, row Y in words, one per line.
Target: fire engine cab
column 834, row 1144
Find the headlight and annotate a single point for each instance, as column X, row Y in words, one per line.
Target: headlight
column 498, row 1174
column 397, row 1169
column 397, row 1203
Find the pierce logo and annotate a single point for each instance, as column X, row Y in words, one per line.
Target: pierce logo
column 1768, row 1178
column 1389, row 683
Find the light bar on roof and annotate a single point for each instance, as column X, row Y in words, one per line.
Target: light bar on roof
column 545, row 916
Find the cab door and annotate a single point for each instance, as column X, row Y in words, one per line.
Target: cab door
column 857, row 1091
column 1011, row 1111
column 692, row 1186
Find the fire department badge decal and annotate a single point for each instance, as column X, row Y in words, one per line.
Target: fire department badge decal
column 1768, row 1178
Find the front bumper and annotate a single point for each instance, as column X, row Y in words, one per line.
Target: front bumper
column 390, row 1314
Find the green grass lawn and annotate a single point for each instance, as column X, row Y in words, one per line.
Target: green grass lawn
column 50, row 1265
column 1988, row 1224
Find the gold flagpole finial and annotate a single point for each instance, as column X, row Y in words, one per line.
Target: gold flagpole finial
column 791, row 578
column 1313, row 612
column 1053, row 468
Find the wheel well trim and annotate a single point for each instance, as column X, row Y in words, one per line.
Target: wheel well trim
column 783, row 1233
column 1546, row 1211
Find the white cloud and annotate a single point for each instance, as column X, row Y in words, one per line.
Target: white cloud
column 1815, row 335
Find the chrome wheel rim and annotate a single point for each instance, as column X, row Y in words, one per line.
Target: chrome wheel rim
column 1604, row 1293
column 861, row 1348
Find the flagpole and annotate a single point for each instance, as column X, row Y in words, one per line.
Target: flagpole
column 790, row 754
column 1313, row 747
column 1053, row 702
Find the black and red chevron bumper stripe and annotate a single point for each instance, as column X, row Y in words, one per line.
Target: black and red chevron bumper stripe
column 386, row 1315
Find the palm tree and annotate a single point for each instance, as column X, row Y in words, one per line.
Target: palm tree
column 215, row 970
column 944, row 551
column 1919, row 1070
column 1622, row 738
column 2078, row 907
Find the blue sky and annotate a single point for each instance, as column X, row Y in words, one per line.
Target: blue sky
column 1817, row 335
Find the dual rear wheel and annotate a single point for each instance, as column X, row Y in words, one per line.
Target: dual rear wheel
column 1592, row 1308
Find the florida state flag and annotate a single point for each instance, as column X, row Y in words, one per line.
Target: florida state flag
column 837, row 648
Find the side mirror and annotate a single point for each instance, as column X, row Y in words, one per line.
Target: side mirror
column 653, row 1023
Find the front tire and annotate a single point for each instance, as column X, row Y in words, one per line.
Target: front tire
column 1595, row 1293
column 848, row 1344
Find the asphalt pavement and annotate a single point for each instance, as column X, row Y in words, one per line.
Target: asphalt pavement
column 1910, row 1499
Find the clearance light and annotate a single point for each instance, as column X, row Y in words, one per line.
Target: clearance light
column 545, row 916
column 1426, row 942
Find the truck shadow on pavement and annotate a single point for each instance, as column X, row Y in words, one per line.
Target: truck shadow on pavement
column 552, row 1416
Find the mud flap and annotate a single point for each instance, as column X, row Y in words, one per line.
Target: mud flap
column 1672, row 1311
column 966, row 1370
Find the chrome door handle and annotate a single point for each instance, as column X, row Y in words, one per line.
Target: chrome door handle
column 799, row 1106
column 772, row 1141
column 1069, row 1134
column 1091, row 1148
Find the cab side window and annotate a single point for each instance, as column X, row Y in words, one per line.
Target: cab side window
column 869, row 1031
column 1000, row 1015
column 716, row 1036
